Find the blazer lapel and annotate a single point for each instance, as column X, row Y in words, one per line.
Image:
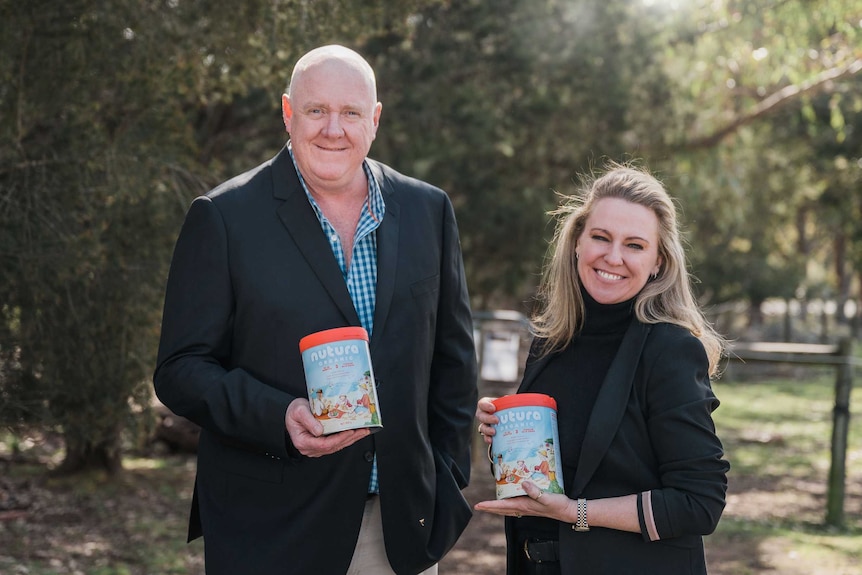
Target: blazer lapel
column 387, row 253
column 610, row 405
column 532, row 370
column 301, row 222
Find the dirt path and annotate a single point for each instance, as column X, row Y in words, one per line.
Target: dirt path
column 482, row 548
column 86, row 526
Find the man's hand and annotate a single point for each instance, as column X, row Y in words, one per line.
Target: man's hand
column 306, row 432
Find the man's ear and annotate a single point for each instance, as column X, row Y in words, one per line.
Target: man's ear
column 378, row 108
column 286, row 111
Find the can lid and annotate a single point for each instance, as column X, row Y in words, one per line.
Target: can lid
column 525, row 399
column 330, row 335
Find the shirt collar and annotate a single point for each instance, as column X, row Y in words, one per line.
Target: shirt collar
column 376, row 205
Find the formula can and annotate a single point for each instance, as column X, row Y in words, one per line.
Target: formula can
column 340, row 379
column 526, row 444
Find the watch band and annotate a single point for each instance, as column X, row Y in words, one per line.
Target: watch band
column 582, row 524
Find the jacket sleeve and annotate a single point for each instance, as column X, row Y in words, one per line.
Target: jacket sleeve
column 453, row 390
column 693, row 473
column 193, row 376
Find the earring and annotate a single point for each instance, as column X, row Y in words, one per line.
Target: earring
column 654, row 276
column 577, row 256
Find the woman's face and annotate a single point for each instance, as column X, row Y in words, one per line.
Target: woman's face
column 618, row 250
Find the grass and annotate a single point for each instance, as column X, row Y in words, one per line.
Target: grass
column 784, row 427
column 777, row 436
column 91, row 525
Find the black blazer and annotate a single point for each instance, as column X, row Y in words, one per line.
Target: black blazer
column 650, row 433
column 252, row 273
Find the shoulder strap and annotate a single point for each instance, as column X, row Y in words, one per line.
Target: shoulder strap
column 610, row 405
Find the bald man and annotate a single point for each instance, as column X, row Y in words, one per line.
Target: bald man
column 320, row 237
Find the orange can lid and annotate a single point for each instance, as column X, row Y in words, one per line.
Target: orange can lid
column 525, row 400
column 331, row 335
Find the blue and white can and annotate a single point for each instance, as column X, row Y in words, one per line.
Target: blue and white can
column 526, row 444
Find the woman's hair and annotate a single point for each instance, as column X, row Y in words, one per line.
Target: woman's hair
column 667, row 298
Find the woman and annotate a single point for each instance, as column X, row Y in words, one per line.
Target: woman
column 622, row 347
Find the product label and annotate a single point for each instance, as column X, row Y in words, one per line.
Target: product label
column 341, row 387
column 525, row 446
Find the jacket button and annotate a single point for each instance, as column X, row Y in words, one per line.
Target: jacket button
column 369, row 456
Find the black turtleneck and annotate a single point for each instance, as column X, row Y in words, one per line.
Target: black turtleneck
column 573, row 378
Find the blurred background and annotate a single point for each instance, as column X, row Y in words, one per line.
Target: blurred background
column 114, row 114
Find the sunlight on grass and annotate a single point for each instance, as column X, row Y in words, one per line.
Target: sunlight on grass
column 829, row 553
column 138, row 463
column 777, row 436
column 784, row 426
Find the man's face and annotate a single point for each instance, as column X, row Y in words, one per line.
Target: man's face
column 332, row 117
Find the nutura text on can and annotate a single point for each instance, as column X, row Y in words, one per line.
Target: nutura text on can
column 340, row 379
column 525, row 445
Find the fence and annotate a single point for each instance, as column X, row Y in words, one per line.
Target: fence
column 502, row 341
column 839, row 356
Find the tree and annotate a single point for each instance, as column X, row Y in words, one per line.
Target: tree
column 502, row 104
column 113, row 115
column 84, row 219
column 748, row 78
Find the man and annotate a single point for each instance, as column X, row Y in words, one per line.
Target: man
column 322, row 237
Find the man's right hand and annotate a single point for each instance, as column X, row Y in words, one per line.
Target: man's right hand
column 306, row 433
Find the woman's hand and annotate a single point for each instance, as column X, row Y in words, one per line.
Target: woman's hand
column 536, row 502
column 485, row 414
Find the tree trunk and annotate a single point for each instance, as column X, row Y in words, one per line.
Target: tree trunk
column 843, row 278
column 83, row 455
column 755, row 314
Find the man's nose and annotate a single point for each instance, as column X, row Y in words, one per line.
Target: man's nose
column 333, row 125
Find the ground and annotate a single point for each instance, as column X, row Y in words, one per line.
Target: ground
column 135, row 525
column 91, row 527
column 755, row 501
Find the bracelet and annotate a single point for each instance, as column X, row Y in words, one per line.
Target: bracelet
column 582, row 524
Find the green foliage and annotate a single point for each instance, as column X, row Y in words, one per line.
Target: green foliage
column 503, row 104
column 86, row 217
column 763, row 92
column 113, row 115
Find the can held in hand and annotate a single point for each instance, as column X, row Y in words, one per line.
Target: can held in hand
column 526, row 444
column 340, row 379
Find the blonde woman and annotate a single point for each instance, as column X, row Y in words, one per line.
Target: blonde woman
column 623, row 348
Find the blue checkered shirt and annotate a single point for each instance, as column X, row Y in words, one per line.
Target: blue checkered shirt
column 361, row 276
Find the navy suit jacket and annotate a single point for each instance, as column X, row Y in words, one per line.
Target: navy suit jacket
column 252, row 273
column 650, row 433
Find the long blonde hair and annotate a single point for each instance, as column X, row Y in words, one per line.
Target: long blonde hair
column 666, row 299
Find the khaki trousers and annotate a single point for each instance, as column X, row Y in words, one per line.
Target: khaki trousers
column 369, row 557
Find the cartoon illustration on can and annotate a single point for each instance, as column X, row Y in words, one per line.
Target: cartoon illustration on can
column 340, row 379
column 525, row 444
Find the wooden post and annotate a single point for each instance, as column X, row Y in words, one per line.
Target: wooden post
column 788, row 321
column 824, row 324
column 478, row 445
column 840, row 428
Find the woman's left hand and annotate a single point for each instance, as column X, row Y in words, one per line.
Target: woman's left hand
column 537, row 503
column 487, row 420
